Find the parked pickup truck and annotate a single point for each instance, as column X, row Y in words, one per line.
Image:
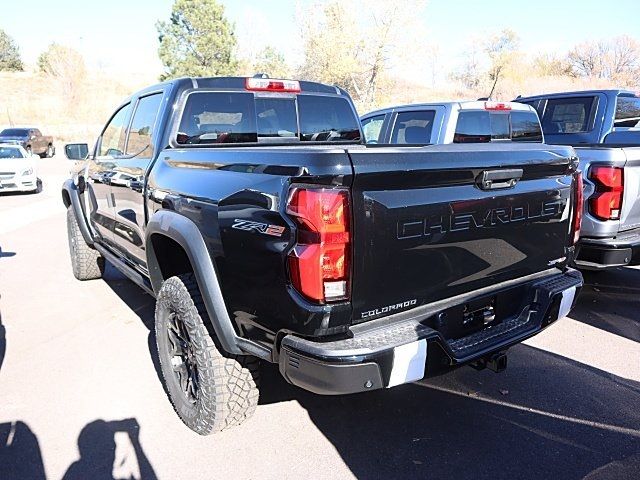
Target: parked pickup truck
column 30, row 139
column 452, row 122
column 603, row 127
column 267, row 230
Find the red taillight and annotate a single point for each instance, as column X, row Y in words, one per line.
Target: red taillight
column 577, row 216
column 270, row 85
column 496, row 106
column 319, row 263
column 606, row 202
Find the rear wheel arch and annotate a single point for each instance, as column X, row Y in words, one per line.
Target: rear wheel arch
column 169, row 257
column 175, row 246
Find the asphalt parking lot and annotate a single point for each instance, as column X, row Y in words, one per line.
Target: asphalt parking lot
column 80, row 390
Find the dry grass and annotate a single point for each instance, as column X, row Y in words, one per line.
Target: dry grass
column 69, row 115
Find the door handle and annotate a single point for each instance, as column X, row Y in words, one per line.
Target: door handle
column 496, row 179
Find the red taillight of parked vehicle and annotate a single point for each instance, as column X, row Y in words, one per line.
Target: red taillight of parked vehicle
column 319, row 262
column 606, row 202
column 577, row 215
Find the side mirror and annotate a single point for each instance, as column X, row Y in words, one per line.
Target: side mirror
column 35, row 155
column 76, row 151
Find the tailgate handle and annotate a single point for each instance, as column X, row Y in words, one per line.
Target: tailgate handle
column 495, row 179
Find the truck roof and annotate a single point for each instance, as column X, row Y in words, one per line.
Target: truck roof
column 462, row 105
column 612, row 91
column 234, row 83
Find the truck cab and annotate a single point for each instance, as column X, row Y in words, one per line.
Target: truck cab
column 453, row 122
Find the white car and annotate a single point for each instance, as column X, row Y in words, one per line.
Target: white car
column 18, row 170
column 122, row 179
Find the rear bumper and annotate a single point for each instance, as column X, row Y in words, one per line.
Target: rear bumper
column 392, row 352
column 598, row 254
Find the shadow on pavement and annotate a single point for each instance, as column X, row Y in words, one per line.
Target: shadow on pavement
column 141, row 303
column 609, row 301
column 545, row 417
column 110, row 450
column 20, row 455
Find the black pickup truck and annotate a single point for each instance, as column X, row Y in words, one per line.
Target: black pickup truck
column 267, row 230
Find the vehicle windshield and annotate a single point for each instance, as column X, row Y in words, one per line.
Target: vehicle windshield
column 10, row 152
column 14, row 132
column 216, row 117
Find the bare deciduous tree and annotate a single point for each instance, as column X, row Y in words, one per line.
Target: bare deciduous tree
column 370, row 34
column 501, row 50
column 617, row 59
column 66, row 65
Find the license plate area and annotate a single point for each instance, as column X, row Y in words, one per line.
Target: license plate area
column 488, row 310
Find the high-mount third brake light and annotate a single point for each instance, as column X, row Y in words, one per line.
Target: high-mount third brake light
column 319, row 262
column 606, row 202
column 271, row 85
column 497, row 106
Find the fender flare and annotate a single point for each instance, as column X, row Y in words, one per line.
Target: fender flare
column 186, row 233
column 71, row 196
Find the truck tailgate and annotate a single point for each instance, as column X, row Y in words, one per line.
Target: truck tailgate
column 425, row 230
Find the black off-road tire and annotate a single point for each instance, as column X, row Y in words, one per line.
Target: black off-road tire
column 87, row 263
column 227, row 385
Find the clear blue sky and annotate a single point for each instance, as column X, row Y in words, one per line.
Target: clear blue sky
column 120, row 35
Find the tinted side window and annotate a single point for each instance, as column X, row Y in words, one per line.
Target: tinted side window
column 627, row 112
column 525, row 127
column 115, row 134
column 567, row 115
column 329, row 119
column 211, row 117
column 473, row 127
column 413, row 127
column 142, row 126
column 372, row 127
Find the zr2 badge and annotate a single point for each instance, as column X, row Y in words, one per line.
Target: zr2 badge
column 257, row 227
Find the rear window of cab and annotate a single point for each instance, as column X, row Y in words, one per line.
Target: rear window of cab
column 483, row 126
column 247, row 117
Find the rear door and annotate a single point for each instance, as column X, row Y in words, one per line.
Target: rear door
column 416, row 126
column 127, row 191
column 39, row 146
column 571, row 120
column 425, row 229
column 373, row 128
